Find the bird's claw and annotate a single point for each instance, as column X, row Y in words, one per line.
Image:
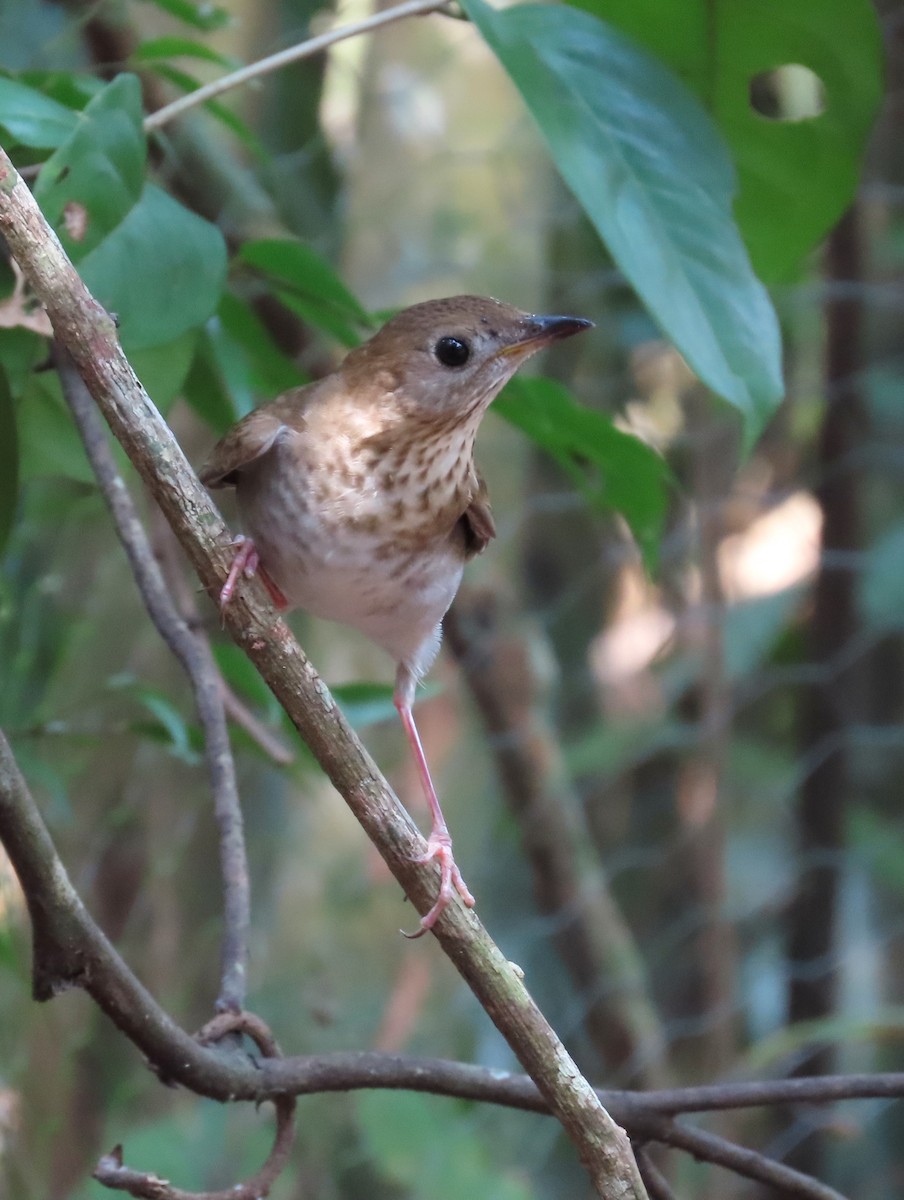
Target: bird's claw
column 439, row 847
column 247, row 564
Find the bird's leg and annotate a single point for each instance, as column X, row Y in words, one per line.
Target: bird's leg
column 247, row 563
column 439, row 843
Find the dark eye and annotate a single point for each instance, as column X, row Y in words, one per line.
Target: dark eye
column 452, row 352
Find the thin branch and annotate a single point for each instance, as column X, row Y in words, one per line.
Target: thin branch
column 709, row 1147
column 195, row 656
column 314, row 45
column 241, row 714
column 112, row 1173
column 71, row 950
column 89, row 334
column 657, row 1184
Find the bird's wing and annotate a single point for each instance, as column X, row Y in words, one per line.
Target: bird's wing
column 252, row 437
column 476, row 522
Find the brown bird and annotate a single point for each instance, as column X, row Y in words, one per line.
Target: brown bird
column 360, row 495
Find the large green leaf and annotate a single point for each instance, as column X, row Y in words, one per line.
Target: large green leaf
column 98, row 170
column 796, row 177
column 9, row 461
column 32, row 119
column 148, row 259
column 615, row 471
column 161, row 270
column 655, row 178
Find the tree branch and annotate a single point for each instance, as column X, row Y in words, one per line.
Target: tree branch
column 88, row 333
column 314, row 45
column 194, row 654
column 71, row 950
column 112, row 1173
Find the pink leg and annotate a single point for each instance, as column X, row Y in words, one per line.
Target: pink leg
column 247, row 563
column 439, row 844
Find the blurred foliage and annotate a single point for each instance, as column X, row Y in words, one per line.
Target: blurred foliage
column 702, row 148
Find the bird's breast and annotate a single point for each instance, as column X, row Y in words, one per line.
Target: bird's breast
column 369, row 544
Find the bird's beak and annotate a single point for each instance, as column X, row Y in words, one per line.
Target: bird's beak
column 536, row 332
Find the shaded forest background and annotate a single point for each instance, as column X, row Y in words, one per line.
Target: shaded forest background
column 700, row 867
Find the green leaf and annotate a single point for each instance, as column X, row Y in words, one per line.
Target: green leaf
column 311, row 286
column 629, row 477
column 50, row 444
column 654, row 176
column 20, row 352
column 163, row 369
column 268, row 370
column 32, row 119
column 169, row 724
column 99, row 168
column 161, row 271
column 204, row 16
column 9, row 461
column 206, row 391
column 796, row 177
column 238, row 366
column 177, row 47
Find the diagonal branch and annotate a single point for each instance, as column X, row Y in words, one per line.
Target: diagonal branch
column 194, row 654
column 88, row 333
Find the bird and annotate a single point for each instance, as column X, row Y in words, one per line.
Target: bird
column 361, row 501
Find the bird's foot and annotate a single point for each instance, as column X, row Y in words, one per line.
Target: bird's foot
column 247, row 564
column 439, row 847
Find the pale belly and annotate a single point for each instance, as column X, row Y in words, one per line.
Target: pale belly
column 324, row 565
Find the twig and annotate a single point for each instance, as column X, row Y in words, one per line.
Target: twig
column 242, row 715
column 591, row 936
column 411, row 8
column 657, row 1184
column 89, row 335
column 196, row 659
column 709, row 1147
column 111, row 1171
column 70, row 950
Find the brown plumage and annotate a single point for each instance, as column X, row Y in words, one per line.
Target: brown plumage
column 360, row 494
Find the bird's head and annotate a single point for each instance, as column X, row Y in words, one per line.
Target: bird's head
column 443, row 361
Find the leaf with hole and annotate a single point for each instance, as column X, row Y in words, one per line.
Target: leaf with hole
column 98, row 172
column 796, row 177
column 655, row 178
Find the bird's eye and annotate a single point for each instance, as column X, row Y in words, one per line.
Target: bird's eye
column 452, row 351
